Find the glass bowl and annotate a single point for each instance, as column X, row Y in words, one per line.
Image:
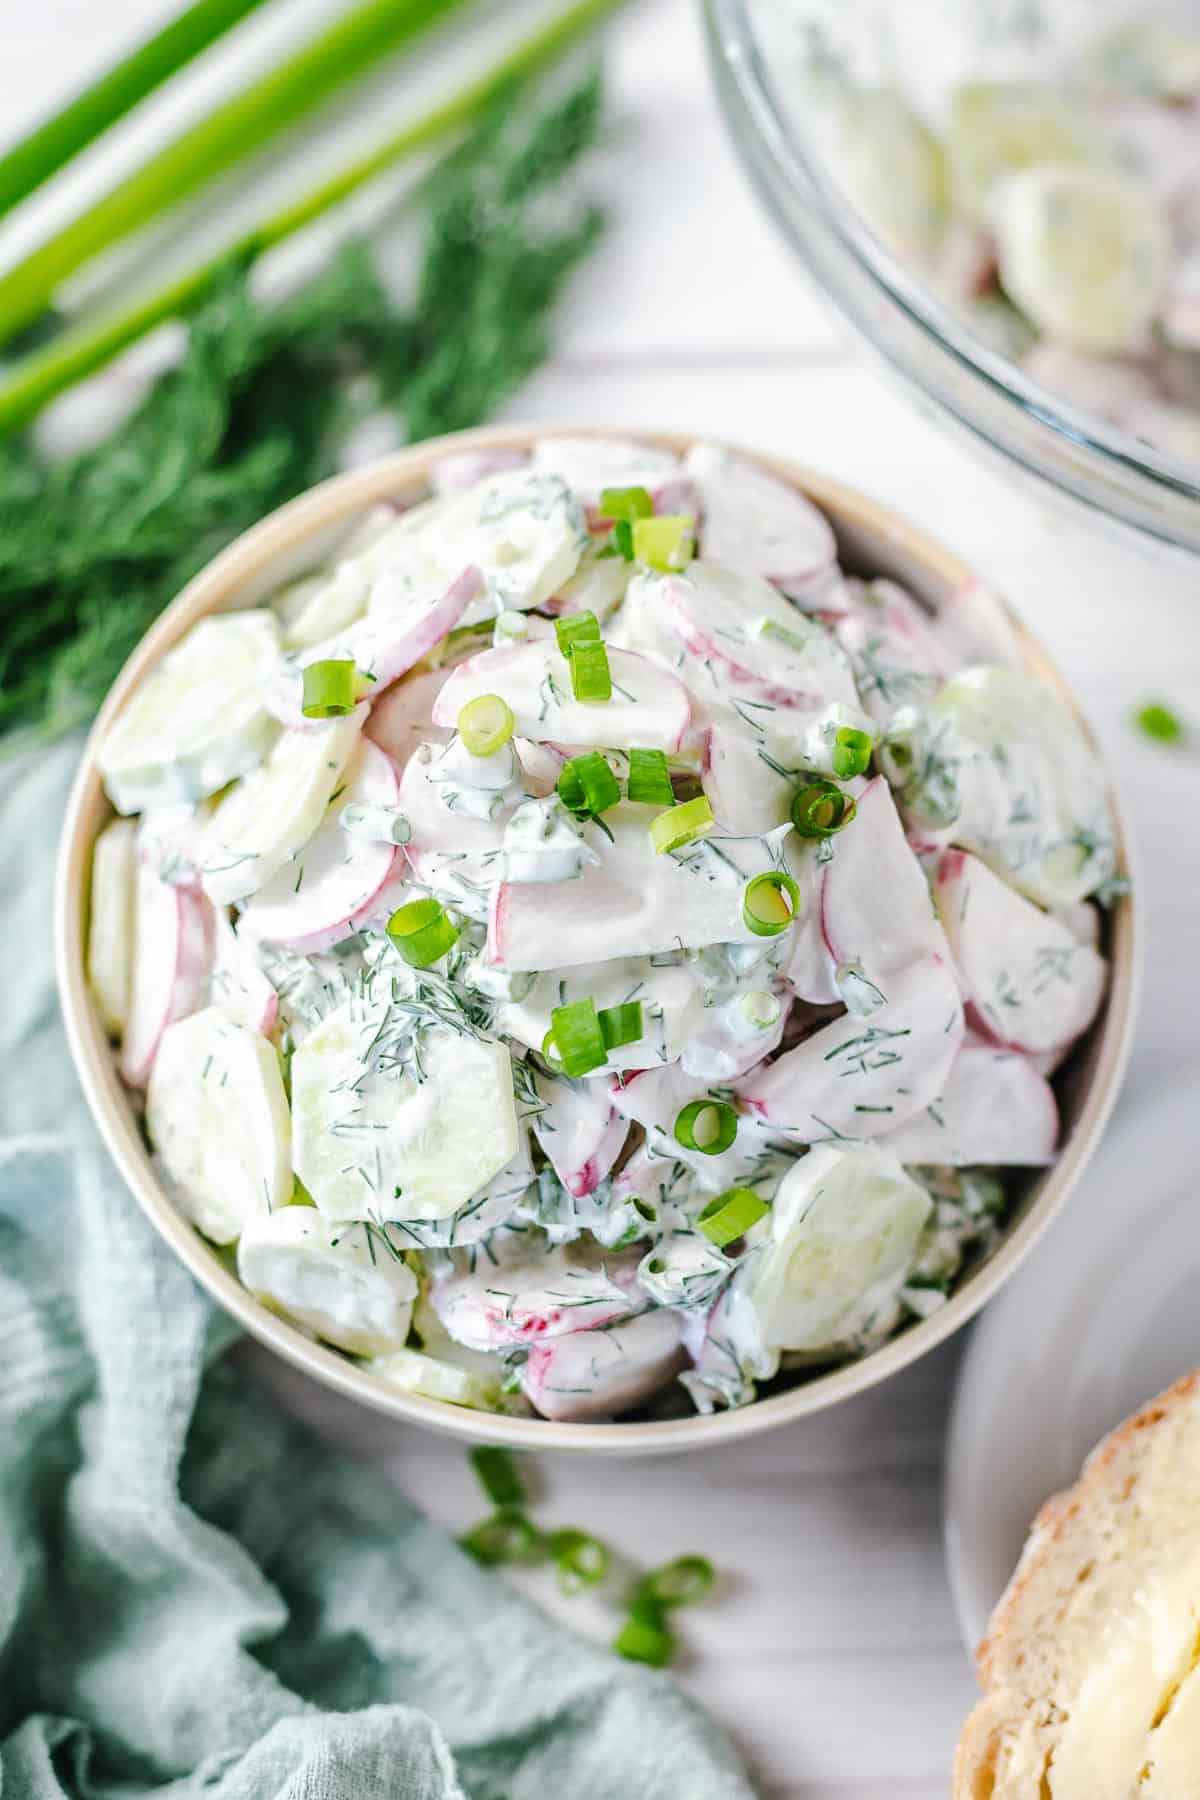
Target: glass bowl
column 780, row 64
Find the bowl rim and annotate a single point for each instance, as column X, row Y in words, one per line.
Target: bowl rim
column 221, row 583
column 1149, row 490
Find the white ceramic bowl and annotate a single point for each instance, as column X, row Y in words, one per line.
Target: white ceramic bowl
column 871, row 539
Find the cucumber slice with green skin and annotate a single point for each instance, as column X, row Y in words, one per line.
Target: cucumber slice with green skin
column 217, row 1117
column 568, row 1289
column 996, row 1108
column 579, row 1131
column 839, row 1242
column 436, row 1379
column 876, row 908
column 198, row 720
column 596, row 1374
column 334, row 882
column 649, row 706
column 494, row 1206
column 172, row 959
column 331, row 604
column 340, row 1282
column 1083, row 252
column 757, row 524
column 1031, row 983
column 861, row 1078
column 110, row 923
column 383, row 1131
column 238, row 985
column 267, row 819
column 997, row 128
column 588, row 465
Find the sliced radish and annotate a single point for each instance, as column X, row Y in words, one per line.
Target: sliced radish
column 403, row 717
column 755, row 522
column 567, row 1289
column 238, row 985
column 876, row 908
column 1029, row 979
column 579, row 1130
column 111, row 923
column 594, row 1374
column 458, row 470
column 649, row 707
column 333, row 883
column 199, row 720
column 269, row 817
column 337, row 1281
column 588, row 465
column 976, row 627
column 457, row 857
column 897, row 657
column 860, row 1078
column 671, row 1002
column 731, row 1038
column 217, row 1117
column 525, row 532
column 655, row 1099
column 995, row 1108
column 173, row 949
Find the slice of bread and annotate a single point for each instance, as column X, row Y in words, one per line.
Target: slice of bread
column 1091, row 1666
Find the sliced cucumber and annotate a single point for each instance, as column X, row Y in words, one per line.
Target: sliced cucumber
column 892, row 168
column 330, row 605
column 996, row 128
column 840, row 1240
column 523, row 531
column 266, row 820
column 386, row 1126
column 649, row 706
column 217, row 1117
column 436, row 1379
column 110, row 923
column 238, row 984
column 342, row 1282
column 199, row 720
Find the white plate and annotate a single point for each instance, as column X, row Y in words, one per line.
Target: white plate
column 1103, row 1316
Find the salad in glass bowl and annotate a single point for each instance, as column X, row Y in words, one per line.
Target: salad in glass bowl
column 581, row 952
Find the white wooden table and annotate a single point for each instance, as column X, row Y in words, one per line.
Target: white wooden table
column 833, row 1656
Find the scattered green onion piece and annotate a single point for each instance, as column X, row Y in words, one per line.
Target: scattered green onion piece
column 422, row 932
column 578, row 1038
column 730, row 1215
column 586, row 784
column 682, row 825
column 507, row 1537
column 576, row 628
column 591, row 677
column 771, row 629
column 667, row 543
column 328, row 690
column 623, row 538
column 851, row 752
column 485, row 724
column 760, row 1008
column 582, row 1560
column 498, row 1476
column 643, row 1209
column 650, row 779
column 626, row 503
column 621, row 1024
column 770, row 903
column 1160, row 723
column 645, row 1637
column 678, row 1583
column 822, row 808
column 510, row 627
column 709, row 1126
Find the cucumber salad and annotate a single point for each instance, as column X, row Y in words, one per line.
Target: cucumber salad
column 580, row 949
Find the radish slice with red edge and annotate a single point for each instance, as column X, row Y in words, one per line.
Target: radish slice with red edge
column 173, row 950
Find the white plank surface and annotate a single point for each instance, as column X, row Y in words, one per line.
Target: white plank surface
column 833, row 1655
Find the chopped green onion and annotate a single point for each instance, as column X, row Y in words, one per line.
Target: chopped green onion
column 586, row 784
column 770, row 903
column 1159, row 723
column 709, row 1126
column 328, row 690
column 623, row 538
column 591, row 677
column 678, row 1583
column 667, row 543
column 422, row 932
column 497, row 1472
column 822, row 808
column 485, row 724
column 578, row 1038
column 731, row 1215
column 760, row 1008
column 626, row 503
column 510, row 627
column 650, row 779
column 576, row 628
column 507, row 1537
column 646, row 1638
column 582, row 1560
column 682, row 825
column 851, row 752
column 771, row 628
column 621, row 1024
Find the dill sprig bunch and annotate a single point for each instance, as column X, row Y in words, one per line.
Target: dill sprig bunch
column 92, row 549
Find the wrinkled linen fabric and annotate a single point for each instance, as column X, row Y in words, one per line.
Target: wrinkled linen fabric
column 197, row 1596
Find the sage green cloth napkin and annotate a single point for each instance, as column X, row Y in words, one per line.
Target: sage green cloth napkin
column 196, row 1597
